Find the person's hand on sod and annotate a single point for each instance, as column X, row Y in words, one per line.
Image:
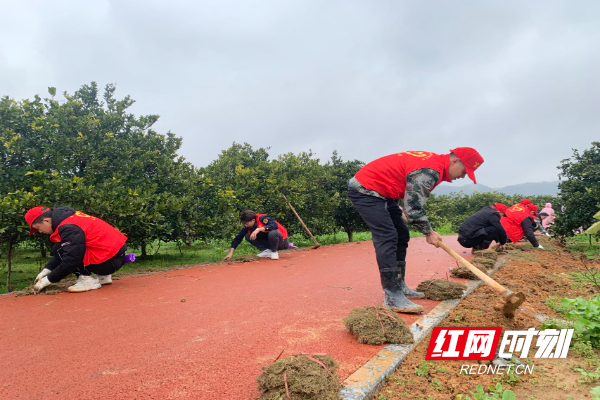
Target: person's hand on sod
column 228, row 256
column 256, row 232
column 499, row 247
column 433, row 237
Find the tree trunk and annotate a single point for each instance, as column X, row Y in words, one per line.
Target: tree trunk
column 10, row 247
column 43, row 250
column 144, row 253
column 349, row 232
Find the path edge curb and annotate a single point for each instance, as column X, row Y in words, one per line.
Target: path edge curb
column 366, row 381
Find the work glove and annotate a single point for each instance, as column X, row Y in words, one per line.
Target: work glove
column 45, row 272
column 540, row 247
column 41, row 284
column 547, row 234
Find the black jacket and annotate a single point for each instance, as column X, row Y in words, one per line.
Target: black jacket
column 474, row 226
column 67, row 256
column 527, row 224
column 271, row 225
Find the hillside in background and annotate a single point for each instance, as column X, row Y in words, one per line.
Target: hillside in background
column 525, row 189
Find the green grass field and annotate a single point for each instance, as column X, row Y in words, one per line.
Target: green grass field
column 583, row 244
column 27, row 261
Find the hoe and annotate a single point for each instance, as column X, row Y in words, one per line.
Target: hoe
column 511, row 300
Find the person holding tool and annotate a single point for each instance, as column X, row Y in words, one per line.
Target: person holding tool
column 411, row 176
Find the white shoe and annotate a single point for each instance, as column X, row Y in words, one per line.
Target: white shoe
column 264, row 254
column 274, row 255
column 104, row 279
column 84, row 283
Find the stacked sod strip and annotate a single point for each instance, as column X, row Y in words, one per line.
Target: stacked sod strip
column 465, row 273
column 484, row 262
column 377, row 325
column 489, row 254
column 301, row 377
column 440, row 289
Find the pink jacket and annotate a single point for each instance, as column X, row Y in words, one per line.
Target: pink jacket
column 548, row 221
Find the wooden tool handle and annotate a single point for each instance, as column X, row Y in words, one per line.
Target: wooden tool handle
column 481, row 275
column 302, row 222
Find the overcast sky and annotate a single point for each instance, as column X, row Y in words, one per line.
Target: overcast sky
column 517, row 80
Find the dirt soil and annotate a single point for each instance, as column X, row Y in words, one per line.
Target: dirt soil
column 540, row 275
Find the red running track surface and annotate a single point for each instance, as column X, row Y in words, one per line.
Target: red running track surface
column 201, row 332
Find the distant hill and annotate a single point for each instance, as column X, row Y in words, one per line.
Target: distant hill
column 525, row 189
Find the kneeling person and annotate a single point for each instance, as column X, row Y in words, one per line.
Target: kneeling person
column 263, row 232
column 480, row 229
column 85, row 245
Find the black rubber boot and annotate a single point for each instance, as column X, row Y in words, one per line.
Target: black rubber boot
column 408, row 292
column 392, row 293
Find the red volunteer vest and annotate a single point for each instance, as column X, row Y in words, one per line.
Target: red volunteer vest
column 260, row 224
column 387, row 175
column 102, row 241
column 512, row 222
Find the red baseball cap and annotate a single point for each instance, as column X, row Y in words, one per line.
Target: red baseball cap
column 470, row 158
column 500, row 207
column 32, row 214
column 532, row 207
column 525, row 201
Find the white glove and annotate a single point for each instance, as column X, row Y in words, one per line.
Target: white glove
column 547, row 234
column 41, row 284
column 540, row 247
column 45, row 272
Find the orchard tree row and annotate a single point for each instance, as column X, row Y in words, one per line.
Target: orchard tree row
column 89, row 152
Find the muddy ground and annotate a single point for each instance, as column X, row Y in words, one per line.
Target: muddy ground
column 540, row 274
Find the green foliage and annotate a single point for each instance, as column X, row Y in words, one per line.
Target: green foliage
column 584, row 313
column 494, row 392
column 426, row 367
column 588, row 376
column 580, row 191
column 595, row 391
column 583, row 244
column 13, row 228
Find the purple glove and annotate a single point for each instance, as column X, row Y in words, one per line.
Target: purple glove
column 129, row 258
column 291, row 246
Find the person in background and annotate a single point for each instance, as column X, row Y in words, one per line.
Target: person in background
column 549, row 220
column 482, row 228
column 263, row 232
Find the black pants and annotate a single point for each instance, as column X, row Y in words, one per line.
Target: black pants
column 108, row 267
column 481, row 242
column 389, row 232
column 272, row 240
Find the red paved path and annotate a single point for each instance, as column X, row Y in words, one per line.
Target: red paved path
column 137, row 339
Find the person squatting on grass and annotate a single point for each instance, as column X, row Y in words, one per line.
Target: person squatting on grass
column 479, row 230
column 263, row 232
column 375, row 191
column 85, row 245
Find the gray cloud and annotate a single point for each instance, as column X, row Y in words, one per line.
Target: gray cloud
column 516, row 80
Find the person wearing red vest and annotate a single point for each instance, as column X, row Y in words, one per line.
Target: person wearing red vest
column 411, row 176
column 85, row 245
column 518, row 222
column 263, row 232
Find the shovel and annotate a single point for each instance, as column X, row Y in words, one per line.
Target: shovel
column 512, row 301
